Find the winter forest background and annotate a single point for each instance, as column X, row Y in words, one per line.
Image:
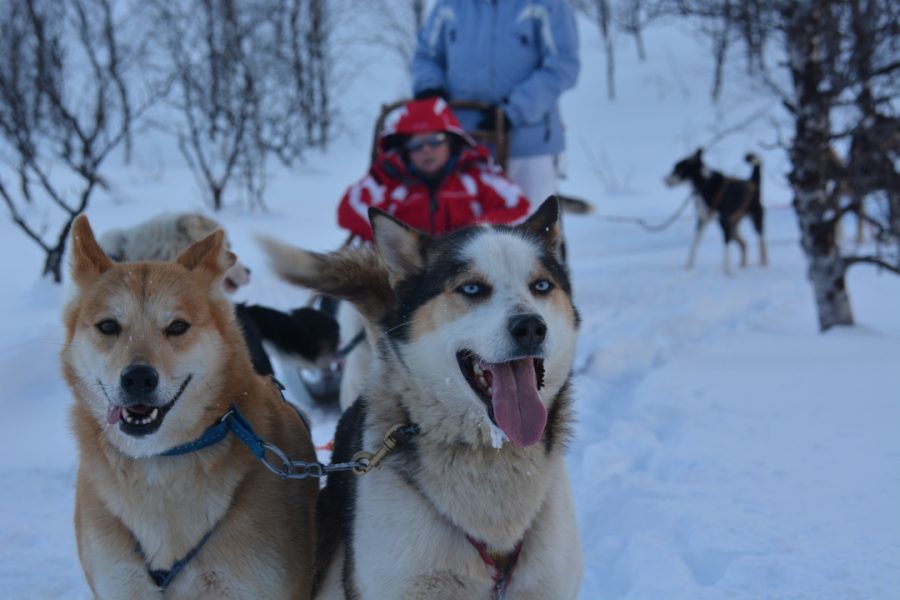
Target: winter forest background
column 736, row 438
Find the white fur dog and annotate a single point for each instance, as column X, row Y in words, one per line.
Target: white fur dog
column 477, row 337
column 164, row 237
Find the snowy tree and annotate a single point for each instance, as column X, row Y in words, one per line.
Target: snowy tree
column 393, row 25
column 628, row 16
column 251, row 81
column 65, row 105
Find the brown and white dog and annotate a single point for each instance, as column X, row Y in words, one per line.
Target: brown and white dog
column 154, row 358
column 476, row 340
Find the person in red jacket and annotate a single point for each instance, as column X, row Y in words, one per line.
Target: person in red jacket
column 433, row 176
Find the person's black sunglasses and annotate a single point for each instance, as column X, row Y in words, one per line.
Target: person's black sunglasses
column 432, row 141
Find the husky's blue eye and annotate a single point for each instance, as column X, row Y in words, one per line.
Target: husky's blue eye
column 177, row 327
column 109, row 327
column 541, row 286
column 473, row 290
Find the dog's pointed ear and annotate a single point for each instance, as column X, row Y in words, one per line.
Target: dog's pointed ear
column 400, row 246
column 698, row 154
column 88, row 259
column 545, row 224
column 208, row 256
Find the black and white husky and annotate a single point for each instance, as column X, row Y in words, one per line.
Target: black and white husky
column 477, row 337
column 728, row 198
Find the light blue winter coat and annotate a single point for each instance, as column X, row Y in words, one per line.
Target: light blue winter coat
column 520, row 54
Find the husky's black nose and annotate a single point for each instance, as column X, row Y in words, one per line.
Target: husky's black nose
column 139, row 380
column 528, row 331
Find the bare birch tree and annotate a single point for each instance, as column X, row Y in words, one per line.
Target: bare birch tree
column 251, row 81
column 630, row 17
column 394, row 26
column 65, row 105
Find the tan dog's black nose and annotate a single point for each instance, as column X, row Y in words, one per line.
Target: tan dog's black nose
column 528, row 331
column 139, row 380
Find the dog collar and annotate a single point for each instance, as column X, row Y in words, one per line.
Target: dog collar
column 235, row 422
column 231, row 422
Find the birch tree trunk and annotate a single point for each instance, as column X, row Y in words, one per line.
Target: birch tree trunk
column 815, row 215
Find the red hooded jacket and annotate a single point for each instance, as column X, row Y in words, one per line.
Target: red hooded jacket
column 473, row 189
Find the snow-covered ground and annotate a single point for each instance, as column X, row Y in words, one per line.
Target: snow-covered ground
column 725, row 448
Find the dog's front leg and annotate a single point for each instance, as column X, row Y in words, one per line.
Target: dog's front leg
column 702, row 221
column 763, row 253
column 741, row 244
column 112, row 564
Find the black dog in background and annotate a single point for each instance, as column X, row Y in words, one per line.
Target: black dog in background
column 305, row 335
column 728, row 198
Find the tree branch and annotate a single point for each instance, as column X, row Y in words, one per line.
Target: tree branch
column 871, row 260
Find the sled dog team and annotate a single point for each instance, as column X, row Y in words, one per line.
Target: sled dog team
column 197, row 480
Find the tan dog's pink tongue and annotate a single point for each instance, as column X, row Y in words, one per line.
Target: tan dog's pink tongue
column 517, row 406
column 113, row 414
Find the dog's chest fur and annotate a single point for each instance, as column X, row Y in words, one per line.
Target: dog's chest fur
column 479, row 490
column 166, row 506
column 430, row 495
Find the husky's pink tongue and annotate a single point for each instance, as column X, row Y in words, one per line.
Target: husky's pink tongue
column 113, row 414
column 517, row 406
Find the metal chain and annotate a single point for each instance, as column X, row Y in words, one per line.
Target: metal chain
column 362, row 462
column 300, row 469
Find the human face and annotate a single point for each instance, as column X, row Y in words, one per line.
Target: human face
column 429, row 152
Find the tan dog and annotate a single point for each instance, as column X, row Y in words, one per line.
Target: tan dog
column 154, row 357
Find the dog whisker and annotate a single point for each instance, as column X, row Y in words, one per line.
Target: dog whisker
column 396, row 327
column 50, row 343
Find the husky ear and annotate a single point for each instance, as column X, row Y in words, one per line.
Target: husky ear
column 399, row 245
column 698, row 154
column 88, row 259
column 545, row 224
column 209, row 256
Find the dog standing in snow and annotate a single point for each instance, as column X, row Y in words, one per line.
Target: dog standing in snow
column 726, row 198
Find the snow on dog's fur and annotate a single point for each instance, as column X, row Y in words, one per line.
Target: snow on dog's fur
column 153, row 357
column 477, row 337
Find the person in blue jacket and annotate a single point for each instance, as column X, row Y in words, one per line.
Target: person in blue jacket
column 519, row 55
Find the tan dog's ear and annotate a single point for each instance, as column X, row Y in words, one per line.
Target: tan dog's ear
column 88, row 259
column 402, row 248
column 208, row 256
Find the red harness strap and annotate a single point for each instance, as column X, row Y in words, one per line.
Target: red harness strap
column 501, row 564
